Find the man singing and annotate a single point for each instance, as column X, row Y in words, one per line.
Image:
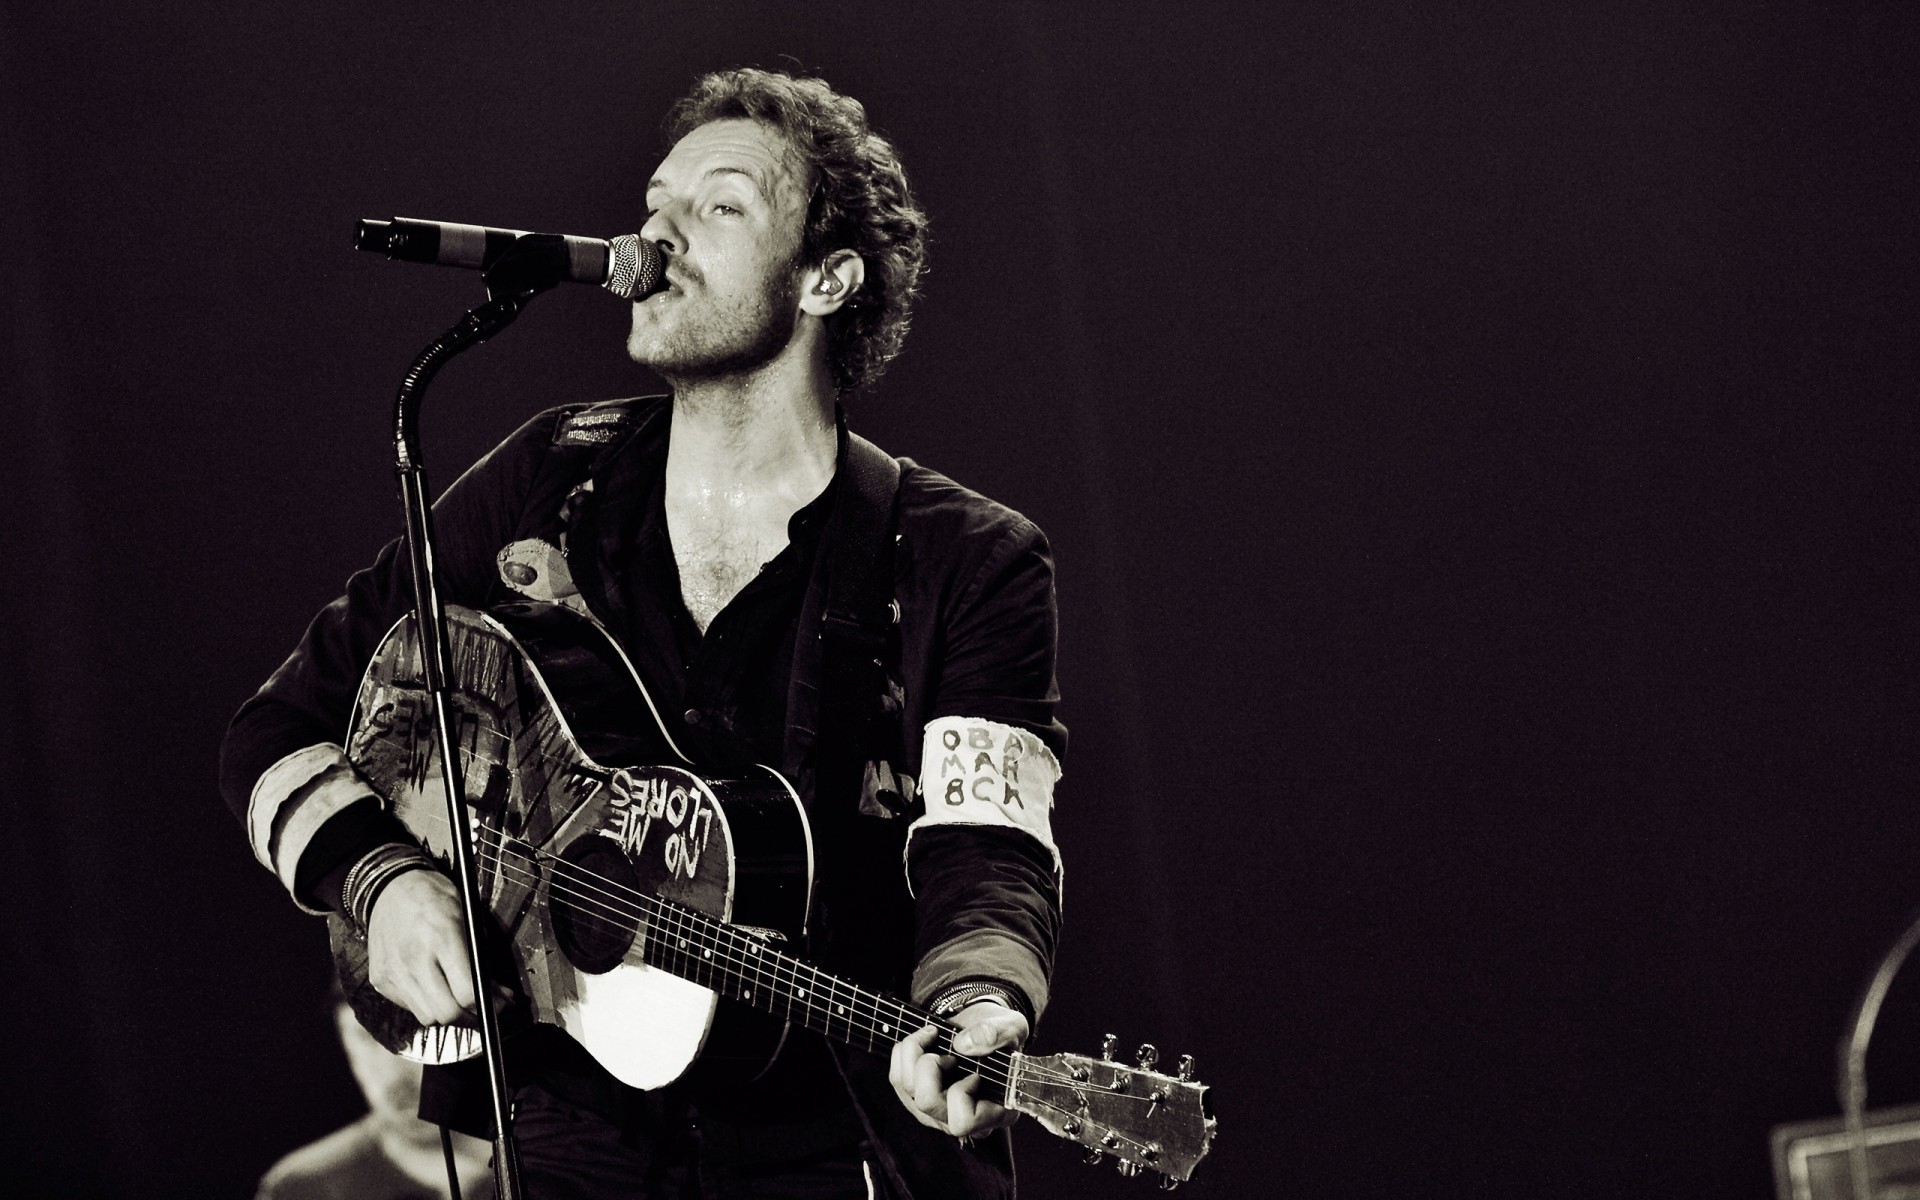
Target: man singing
column 701, row 530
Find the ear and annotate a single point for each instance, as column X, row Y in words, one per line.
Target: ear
column 825, row 289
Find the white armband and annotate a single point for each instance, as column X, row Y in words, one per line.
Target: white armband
column 979, row 772
column 292, row 799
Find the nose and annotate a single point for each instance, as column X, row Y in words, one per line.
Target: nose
column 661, row 230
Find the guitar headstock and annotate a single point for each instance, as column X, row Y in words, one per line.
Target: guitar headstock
column 1145, row 1119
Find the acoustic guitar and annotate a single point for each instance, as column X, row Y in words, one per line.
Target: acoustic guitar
column 629, row 895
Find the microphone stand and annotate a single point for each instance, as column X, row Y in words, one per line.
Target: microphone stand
column 533, row 265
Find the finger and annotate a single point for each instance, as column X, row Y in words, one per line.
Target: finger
column 929, row 1092
column 400, row 981
column 988, row 1116
column 436, row 1007
column 900, row 1070
column 900, row 1067
column 981, row 1039
column 411, row 993
column 906, row 1052
column 968, row 1115
column 992, row 1033
column 429, row 998
column 455, row 975
column 960, row 1107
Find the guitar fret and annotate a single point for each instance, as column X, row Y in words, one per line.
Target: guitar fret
column 716, row 956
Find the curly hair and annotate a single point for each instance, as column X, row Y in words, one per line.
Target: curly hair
column 858, row 200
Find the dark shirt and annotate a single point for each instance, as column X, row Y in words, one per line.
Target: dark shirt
column 726, row 691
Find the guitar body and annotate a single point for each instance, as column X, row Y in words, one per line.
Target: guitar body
column 589, row 847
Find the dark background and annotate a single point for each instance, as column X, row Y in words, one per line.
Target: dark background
column 1479, row 448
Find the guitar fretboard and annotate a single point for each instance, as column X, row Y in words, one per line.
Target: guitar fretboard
column 742, row 967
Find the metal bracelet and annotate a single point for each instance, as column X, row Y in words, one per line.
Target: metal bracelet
column 371, row 874
column 970, row 993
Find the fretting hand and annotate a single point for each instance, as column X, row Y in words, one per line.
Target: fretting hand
column 942, row 1091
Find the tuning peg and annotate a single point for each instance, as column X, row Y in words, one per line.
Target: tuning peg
column 1148, row 1056
column 1107, row 1044
column 1071, row 1127
column 1129, row 1169
column 1186, row 1067
column 1094, row 1155
column 1168, row 1183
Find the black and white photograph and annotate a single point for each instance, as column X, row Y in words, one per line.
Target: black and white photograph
column 850, row 601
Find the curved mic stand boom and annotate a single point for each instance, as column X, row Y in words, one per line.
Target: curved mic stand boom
column 532, row 266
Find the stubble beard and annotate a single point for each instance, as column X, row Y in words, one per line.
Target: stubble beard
column 704, row 344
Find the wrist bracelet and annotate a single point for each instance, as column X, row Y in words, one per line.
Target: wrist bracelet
column 370, row 876
column 959, row 996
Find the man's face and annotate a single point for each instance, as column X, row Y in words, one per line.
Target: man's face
column 727, row 207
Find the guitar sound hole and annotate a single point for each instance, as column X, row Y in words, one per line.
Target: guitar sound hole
column 594, row 903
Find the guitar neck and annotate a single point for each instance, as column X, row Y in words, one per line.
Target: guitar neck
column 737, row 964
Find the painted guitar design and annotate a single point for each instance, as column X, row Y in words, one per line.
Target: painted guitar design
column 628, row 895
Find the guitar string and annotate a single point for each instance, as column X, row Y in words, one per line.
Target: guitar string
column 745, row 966
column 988, row 1067
column 860, row 1014
column 1138, row 1145
column 735, row 961
column 516, row 862
column 612, row 888
column 686, row 921
column 819, row 995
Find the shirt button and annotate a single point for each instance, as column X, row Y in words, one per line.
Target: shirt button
column 691, row 716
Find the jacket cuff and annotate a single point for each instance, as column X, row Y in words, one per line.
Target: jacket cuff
column 292, row 801
column 349, row 836
column 984, row 956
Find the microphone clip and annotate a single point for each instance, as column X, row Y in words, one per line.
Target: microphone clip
column 534, row 263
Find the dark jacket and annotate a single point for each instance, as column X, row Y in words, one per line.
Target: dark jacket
column 975, row 638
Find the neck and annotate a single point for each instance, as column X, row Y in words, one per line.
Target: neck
column 764, row 432
column 413, row 1146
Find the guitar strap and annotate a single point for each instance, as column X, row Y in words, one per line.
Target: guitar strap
column 843, row 731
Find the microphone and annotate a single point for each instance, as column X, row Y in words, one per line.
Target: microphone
column 628, row 267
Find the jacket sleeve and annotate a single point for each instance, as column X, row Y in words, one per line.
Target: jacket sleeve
column 981, row 860
column 283, row 768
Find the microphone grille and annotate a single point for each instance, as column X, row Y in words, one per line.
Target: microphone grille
column 635, row 269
